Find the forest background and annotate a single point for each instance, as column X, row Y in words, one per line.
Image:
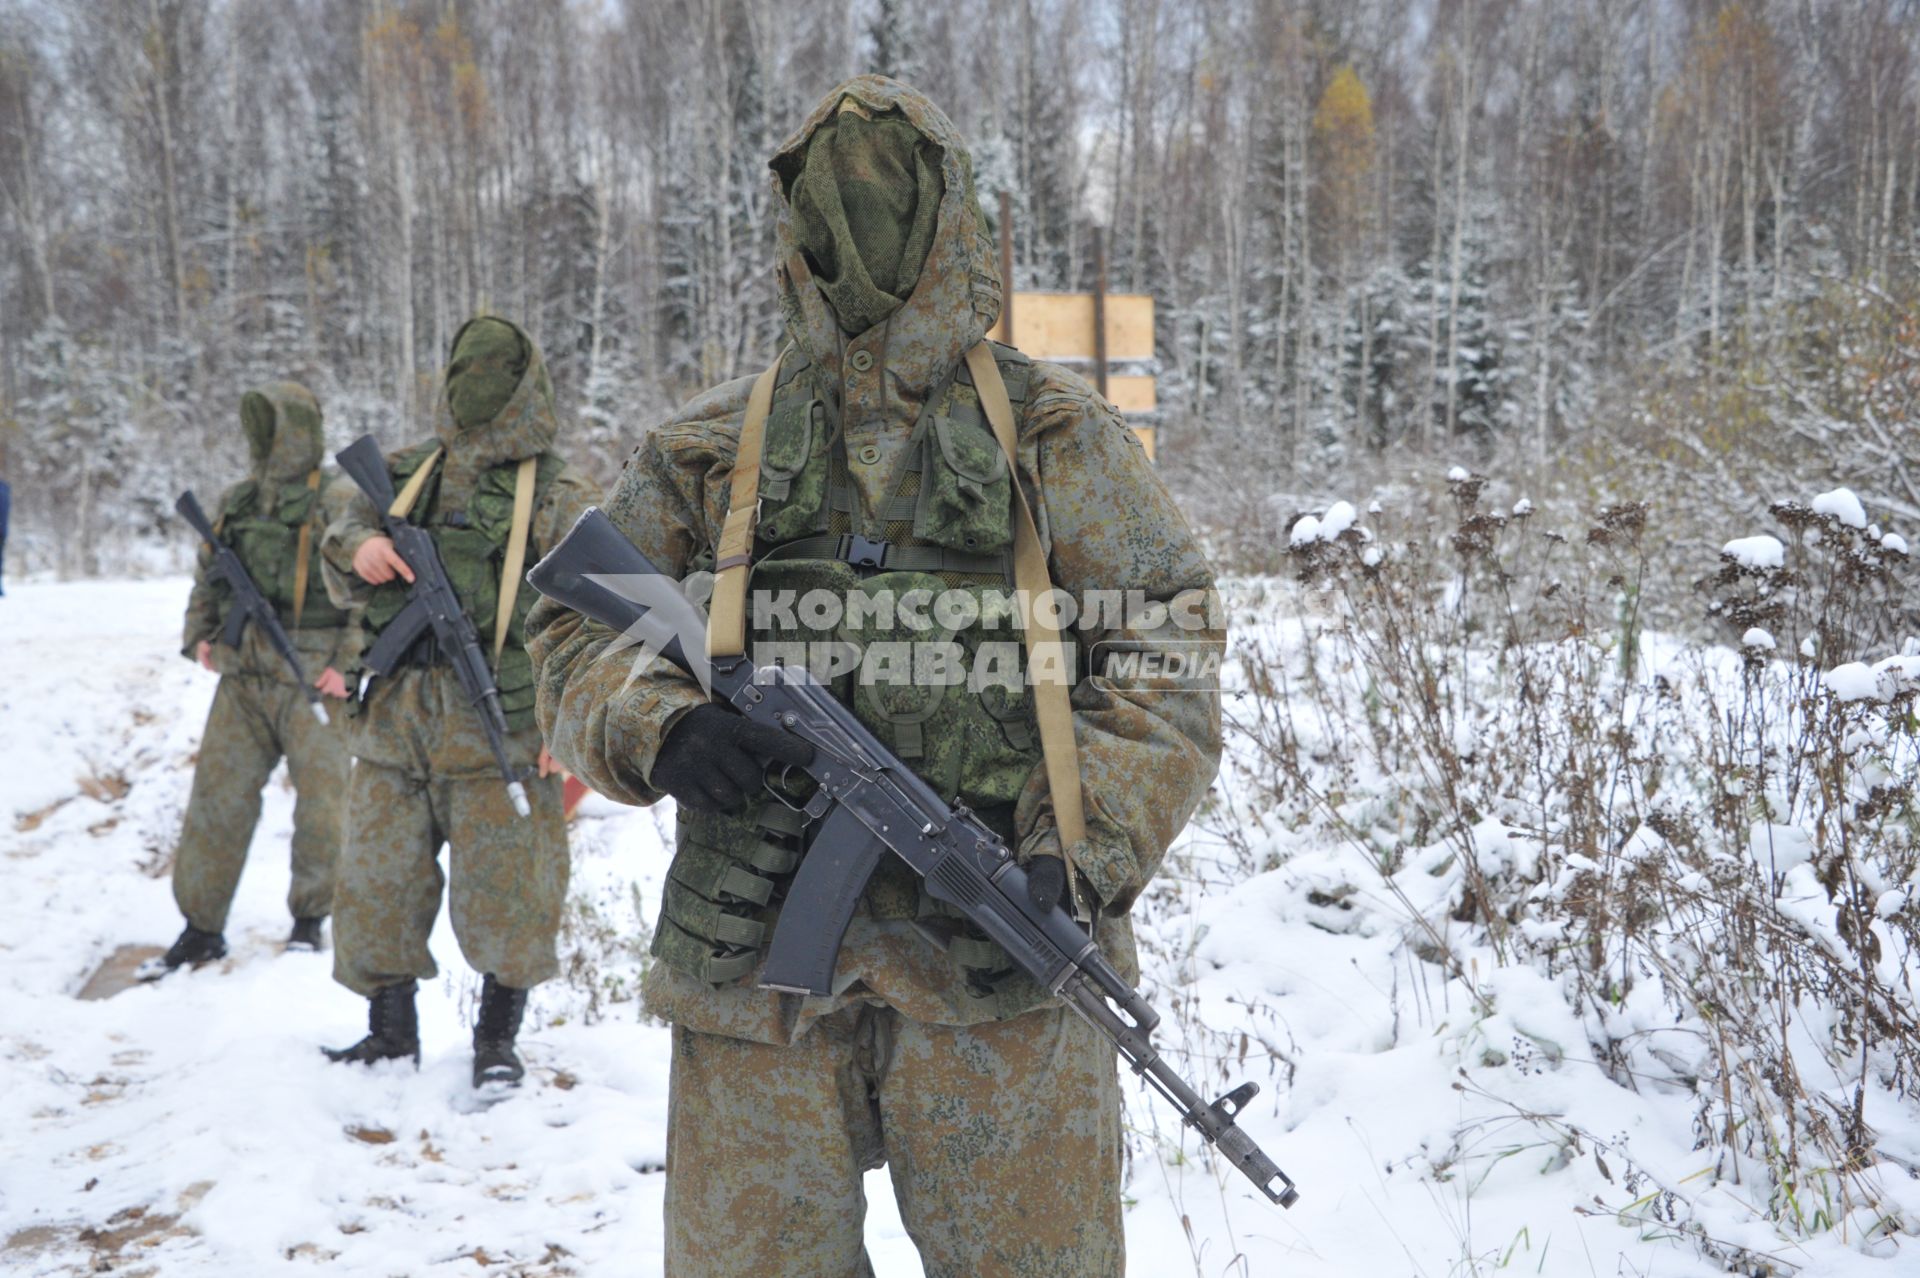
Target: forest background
column 1608, row 248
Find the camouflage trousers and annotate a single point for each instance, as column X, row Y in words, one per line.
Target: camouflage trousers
column 424, row 777
column 254, row 721
column 1002, row 1139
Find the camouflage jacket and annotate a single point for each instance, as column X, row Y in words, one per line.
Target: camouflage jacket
column 274, row 499
column 1149, row 744
column 526, row 427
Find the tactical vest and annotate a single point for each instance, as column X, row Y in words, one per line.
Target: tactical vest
column 948, row 528
column 269, row 545
column 473, row 549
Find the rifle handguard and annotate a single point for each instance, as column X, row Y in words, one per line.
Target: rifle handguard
column 872, row 803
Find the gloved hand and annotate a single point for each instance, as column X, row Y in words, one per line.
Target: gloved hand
column 1046, row 880
column 713, row 758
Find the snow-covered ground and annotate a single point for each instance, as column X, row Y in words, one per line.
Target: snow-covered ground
column 192, row 1127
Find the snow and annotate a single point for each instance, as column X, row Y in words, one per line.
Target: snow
column 1763, row 551
column 1389, row 1090
column 1780, row 847
column 1898, row 673
column 1522, row 508
column 1758, row 638
column 1326, row 527
column 205, row 1095
column 1856, row 681
column 1842, row 505
column 1894, row 543
column 1458, row 475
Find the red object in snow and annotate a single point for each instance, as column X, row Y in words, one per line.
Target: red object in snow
column 572, row 790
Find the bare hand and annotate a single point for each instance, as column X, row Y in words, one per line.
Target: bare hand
column 205, row 654
column 549, row 766
column 377, row 561
column 332, row 683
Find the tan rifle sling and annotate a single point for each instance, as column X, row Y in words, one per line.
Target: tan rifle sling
column 733, row 557
column 302, row 550
column 1047, row 662
column 1046, row 656
column 511, row 570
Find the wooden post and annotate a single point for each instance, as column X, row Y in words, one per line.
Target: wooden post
column 1100, row 310
column 1006, row 266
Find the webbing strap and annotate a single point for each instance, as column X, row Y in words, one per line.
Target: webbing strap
column 887, row 556
column 1046, row 657
column 304, row 548
column 403, row 504
column 896, row 509
column 744, row 885
column 781, row 819
column 511, row 570
column 727, row 610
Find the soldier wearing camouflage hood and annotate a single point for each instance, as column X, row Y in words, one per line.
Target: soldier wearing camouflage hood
column 424, row 773
column 996, row 1111
column 272, row 520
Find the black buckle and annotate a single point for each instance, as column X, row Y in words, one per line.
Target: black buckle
column 862, row 552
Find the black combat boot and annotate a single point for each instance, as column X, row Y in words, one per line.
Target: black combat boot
column 494, row 1060
column 306, row 935
column 194, row 949
column 393, row 1029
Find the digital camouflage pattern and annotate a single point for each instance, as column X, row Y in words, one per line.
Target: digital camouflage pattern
column 426, row 777
column 261, row 517
column 989, row 1132
column 425, row 774
column 865, row 202
column 467, row 503
column 489, row 362
column 259, row 714
column 1149, row 747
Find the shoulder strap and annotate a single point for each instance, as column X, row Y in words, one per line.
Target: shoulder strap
column 302, row 551
column 727, row 611
column 1051, row 707
column 516, row 562
column 403, row 504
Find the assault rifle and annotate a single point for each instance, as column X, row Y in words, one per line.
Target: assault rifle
column 874, row 804
column 432, row 606
column 248, row 603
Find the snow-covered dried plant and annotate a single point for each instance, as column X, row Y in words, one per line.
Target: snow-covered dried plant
column 1713, row 852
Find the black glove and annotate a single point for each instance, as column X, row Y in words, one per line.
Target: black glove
column 1046, row 881
column 713, row 758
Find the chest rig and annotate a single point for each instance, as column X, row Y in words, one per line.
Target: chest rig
column 919, row 594
column 281, row 548
column 473, row 546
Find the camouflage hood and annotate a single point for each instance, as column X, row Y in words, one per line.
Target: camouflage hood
column 956, row 296
column 524, row 426
column 285, row 437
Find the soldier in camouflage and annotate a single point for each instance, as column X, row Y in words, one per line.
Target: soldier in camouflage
column 424, row 774
column 272, row 520
column 996, row 1111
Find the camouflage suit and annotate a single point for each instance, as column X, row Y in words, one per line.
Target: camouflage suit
column 995, row 1110
column 259, row 713
column 425, row 774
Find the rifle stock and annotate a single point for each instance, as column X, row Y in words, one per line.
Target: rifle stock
column 873, row 802
column 366, row 466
